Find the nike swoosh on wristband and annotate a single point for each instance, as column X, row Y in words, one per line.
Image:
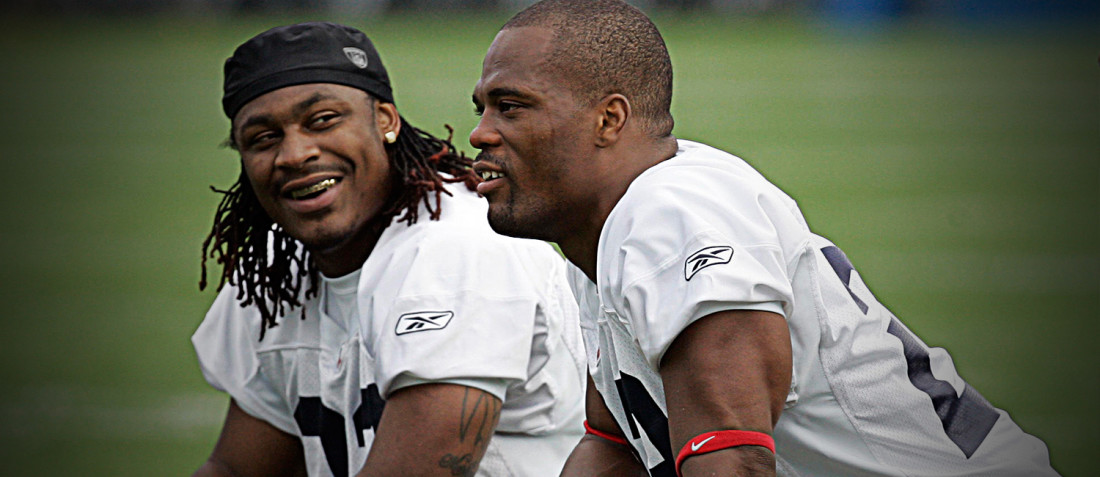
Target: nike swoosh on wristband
column 695, row 447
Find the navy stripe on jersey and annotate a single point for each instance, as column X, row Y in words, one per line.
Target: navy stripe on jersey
column 966, row 419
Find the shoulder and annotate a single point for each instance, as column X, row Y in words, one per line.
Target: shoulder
column 700, row 208
column 700, row 175
column 226, row 318
column 229, row 331
column 463, row 218
column 462, row 250
column 227, row 342
column 701, row 190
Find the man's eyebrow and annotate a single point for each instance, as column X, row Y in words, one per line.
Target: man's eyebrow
column 501, row 91
column 505, row 91
column 256, row 120
column 299, row 108
column 302, row 106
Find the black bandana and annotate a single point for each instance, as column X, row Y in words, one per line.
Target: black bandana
column 317, row 52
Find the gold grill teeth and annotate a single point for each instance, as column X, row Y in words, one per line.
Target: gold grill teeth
column 313, row 188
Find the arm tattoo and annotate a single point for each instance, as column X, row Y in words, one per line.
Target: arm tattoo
column 477, row 421
column 483, row 407
column 460, row 466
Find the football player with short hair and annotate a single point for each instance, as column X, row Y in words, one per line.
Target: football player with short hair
column 724, row 337
column 369, row 321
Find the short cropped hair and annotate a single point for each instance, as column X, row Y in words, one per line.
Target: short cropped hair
column 605, row 47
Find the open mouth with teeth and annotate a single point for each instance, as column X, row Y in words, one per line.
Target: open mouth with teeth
column 312, row 191
column 490, row 175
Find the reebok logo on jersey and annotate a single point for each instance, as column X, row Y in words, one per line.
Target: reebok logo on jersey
column 358, row 57
column 423, row 321
column 714, row 255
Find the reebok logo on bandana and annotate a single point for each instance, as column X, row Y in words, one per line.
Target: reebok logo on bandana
column 714, row 255
column 423, row 321
column 358, row 57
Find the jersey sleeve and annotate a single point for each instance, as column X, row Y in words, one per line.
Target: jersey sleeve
column 691, row 244
column 496, row 387
column 225, row 345
column 464, row 312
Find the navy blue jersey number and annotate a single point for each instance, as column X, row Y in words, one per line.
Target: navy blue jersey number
column 316, row 420
column 966, row 418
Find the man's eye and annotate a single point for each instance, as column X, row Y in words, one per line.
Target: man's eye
column 260, row 140
column 478, row 111
column 507, row 106
column 324, row 119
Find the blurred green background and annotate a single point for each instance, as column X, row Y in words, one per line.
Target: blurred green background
column 957, row 164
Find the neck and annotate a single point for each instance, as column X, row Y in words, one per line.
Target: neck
column 581, row 246
column 580, row 249
column 349, row 256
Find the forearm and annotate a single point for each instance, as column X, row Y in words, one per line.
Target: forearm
column 250, row 447
column 740, row 461
column 722, row 407
column 598, row 457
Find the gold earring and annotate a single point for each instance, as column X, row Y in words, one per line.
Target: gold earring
column 391, row 137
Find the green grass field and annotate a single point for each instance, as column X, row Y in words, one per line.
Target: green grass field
column 958, row 167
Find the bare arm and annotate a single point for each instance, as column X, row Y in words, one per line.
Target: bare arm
column 250, row 447
column 433, row 429
column 728, row 370
column 598, row 457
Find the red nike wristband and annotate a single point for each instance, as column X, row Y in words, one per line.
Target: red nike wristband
column 618, row 440
column 718, row 440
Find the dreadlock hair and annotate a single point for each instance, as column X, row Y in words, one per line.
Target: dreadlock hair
column 271, row 268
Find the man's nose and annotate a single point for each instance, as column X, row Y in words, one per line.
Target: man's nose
column 297, row 149
column 483, row 136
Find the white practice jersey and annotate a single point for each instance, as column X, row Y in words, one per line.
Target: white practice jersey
column 445, row 301
column 704, row 232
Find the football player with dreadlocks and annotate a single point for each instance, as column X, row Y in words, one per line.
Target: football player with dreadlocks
column 352, row 335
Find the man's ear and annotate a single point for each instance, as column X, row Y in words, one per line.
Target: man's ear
column 614, row 111
column 386, row 118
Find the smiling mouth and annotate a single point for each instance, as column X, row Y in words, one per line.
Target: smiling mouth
column 312, row 191
column 490, row 175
